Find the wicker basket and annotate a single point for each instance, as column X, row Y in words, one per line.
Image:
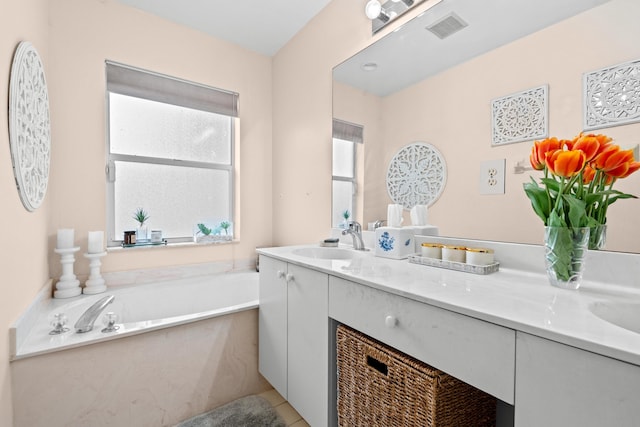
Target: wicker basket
column 379, row 386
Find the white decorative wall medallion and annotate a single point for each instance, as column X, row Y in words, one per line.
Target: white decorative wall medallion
column 416, row 175
column 29, row 126
column 611, row 96
column 521, row 116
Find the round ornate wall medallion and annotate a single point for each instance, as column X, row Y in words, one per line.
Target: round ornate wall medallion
column 416, row 175
column 29, row 126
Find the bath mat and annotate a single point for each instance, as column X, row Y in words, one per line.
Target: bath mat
column 249, row 411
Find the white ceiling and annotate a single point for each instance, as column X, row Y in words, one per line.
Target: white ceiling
column 259, row 25
column 412, row 53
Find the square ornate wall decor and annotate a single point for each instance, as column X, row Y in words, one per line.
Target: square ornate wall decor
column 611, row 96
column 521, row 116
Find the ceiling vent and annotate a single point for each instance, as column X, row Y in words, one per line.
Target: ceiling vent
column 446, row 26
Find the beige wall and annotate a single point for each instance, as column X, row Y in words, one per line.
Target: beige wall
column 84, row 34
column 452, row 111
column 24, row 252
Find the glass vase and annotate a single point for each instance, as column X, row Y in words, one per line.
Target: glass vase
column 597, row 237
column 142, row 234
column 565, row 252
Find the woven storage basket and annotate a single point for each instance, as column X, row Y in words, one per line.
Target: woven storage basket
column 380, row 386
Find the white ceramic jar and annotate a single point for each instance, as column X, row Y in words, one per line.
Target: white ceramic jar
column 431, row 250
column 480, row 256
column 454, row 253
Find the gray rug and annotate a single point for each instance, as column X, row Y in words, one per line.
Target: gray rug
column 250, row 411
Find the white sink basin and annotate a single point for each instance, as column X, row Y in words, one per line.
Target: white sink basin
column 326, row 253
column 623, row 314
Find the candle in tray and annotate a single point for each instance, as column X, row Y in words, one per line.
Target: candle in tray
column 65, row 238
column 96, row 242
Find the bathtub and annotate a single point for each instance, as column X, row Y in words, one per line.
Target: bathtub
column 140, row 308
column 183, row 347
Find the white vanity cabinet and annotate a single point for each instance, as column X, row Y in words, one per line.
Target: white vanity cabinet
column 560, row 385
column 477, row 352
column 293, row 336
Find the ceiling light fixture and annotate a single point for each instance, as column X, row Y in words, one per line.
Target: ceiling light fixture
column 373, row 9
column 369, row 66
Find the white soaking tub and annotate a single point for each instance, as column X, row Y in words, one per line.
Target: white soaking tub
column 140, row 308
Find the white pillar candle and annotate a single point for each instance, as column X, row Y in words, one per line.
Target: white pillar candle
column 96, row 242
column 65, row 238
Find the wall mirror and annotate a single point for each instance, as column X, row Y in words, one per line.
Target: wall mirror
column 433, row 80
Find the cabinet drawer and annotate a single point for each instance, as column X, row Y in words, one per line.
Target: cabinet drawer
column 477, row 352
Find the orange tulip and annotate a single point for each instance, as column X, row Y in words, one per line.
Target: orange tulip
column 540, row 150
column 590, row 144
column 633, row 166
column 565, row 163
column 613, row 161
column 589, row 173
column 623, row 170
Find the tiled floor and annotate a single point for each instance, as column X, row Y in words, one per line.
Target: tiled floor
column 290, row 416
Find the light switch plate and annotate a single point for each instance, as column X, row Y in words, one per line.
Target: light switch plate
column 492, row 176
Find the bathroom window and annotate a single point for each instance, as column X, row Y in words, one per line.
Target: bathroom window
column 170, row 152
column 345, row 137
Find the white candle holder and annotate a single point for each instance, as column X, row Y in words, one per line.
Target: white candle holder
column 95, row 283
column 68, row 286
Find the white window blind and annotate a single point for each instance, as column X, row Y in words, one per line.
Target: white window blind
column 132, row 81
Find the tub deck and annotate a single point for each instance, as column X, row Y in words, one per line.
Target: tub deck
column 140, row 309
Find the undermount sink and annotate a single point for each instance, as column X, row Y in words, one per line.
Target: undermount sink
column 623, row 314
column 326, row 253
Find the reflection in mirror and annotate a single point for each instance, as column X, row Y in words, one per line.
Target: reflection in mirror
column 440, row 90
column 345, row 196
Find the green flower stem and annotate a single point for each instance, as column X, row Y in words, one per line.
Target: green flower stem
column 546, row 175
column 556, row 206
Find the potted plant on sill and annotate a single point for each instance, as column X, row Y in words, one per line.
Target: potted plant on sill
column 141, row 216
column 224, row 225
column 203, row 234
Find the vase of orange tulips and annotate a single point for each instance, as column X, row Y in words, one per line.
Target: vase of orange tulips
column 573, row 196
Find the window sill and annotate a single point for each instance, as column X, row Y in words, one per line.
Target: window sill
column 170, row 245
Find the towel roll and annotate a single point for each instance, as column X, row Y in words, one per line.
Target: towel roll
column 394, row 215
column 419, row 215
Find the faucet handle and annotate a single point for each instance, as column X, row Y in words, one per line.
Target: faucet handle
column 58, row 321
column 109, row 321
column 355, row 226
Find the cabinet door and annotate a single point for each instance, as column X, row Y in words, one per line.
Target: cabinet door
column 559, row 385
column 272, row 321
column 308, row 354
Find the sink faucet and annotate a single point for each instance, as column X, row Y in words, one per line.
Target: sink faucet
column 355, row 229
column 88, row 318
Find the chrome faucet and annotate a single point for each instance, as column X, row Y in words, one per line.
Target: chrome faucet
column 355, row 229
column 379, row 223
column 88, row 318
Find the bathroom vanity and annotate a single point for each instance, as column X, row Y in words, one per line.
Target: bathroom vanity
column 547, row 354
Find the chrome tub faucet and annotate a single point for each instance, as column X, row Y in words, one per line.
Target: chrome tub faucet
column 88, row 318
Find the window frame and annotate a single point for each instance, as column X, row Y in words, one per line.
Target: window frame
column 110, row 169
column 353, row 133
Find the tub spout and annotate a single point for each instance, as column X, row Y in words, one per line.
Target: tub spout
column 88, row 318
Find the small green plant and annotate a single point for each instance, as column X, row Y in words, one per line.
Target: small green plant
column 141, row 216
column 225, row 226
column 204, row 229
column 346, row 214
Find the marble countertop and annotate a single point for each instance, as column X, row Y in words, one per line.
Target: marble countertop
column 512, row 297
